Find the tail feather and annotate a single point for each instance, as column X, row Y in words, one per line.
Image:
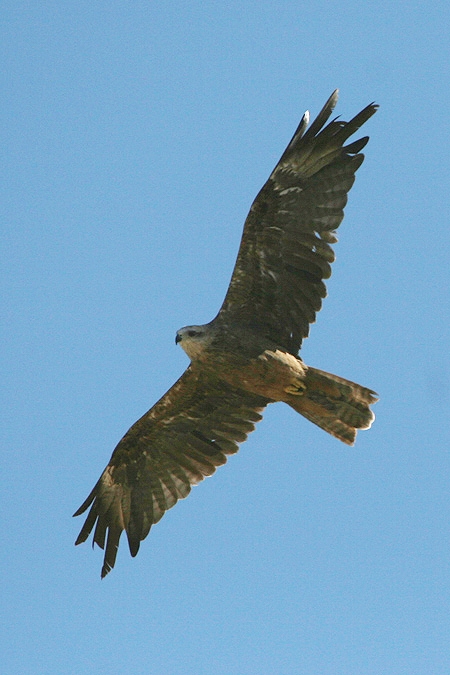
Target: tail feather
column 338, row 406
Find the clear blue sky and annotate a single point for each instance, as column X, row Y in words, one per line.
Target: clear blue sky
column 136, row 136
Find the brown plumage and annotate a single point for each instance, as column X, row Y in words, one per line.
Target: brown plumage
column 247, row 357
column 334, row 404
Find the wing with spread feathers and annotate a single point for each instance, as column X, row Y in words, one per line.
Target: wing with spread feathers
column 285, row 252
column 180, row 441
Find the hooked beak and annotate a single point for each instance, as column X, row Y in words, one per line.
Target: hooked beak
column 177, row 338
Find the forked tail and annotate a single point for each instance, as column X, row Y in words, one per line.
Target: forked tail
column 336, row 405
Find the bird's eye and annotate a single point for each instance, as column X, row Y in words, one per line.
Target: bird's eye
column 192, row 333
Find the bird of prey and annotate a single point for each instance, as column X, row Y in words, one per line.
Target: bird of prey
column 247, row 357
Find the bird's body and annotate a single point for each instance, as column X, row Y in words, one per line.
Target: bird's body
column 248, row 360
column 244, row 359
column 247, row 357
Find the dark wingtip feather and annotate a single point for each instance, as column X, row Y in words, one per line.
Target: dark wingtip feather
column 361, row 118
column 134, row 550
column 87, row 502
column 88, row 525
column 303, row 130
column 112, row 546
column 133, row 544
column 356, row 146
column 324, row 114
column 106, row 569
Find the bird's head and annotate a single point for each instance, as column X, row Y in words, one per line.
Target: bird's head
column 193, row 339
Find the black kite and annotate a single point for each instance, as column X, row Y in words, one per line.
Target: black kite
column 247, row 357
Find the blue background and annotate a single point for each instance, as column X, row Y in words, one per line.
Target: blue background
column 137, row 135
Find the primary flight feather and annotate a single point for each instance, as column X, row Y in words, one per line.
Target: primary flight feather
column 247, row 357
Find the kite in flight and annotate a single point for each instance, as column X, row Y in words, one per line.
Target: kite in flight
column 247, row 357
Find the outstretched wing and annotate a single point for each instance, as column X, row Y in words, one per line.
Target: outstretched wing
column 182, row 439
column 285, row 252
